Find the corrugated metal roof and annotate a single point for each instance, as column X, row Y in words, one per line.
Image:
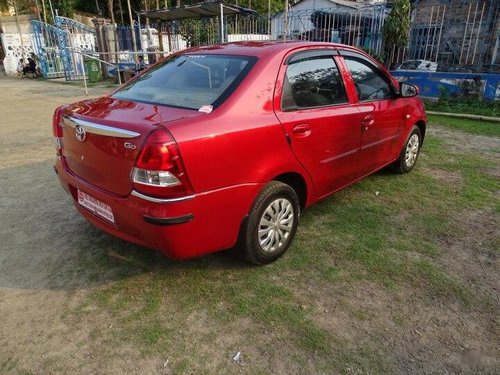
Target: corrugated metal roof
column 208, row 9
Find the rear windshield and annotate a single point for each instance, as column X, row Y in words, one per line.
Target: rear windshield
column 189, row 81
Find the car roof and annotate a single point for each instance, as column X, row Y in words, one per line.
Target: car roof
column 260, row 48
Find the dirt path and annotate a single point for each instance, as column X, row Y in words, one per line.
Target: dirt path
column 39, row 268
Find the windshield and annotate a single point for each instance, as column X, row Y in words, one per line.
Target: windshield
column 189, row 81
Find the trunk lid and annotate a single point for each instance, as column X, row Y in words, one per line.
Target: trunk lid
column 102, row 138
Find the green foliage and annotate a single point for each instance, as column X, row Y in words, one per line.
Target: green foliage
column 4, row 5
column 194, row 32
column 397, row 24
column 102, row 8
column 472, row 106
column 443, row 92
column 469, row 126
column 261, row 6
column 65, row 7
column 20, row 6
column 87, row 6
column 379, row 56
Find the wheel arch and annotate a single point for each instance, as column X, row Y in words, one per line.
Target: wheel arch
column 421, row 126
column 297, row 182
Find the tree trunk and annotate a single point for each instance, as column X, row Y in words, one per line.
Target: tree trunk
column 113, row 25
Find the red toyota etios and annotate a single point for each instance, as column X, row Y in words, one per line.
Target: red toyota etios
column 222, row 147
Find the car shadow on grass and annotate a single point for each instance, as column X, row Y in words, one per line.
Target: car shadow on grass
column 48, row 245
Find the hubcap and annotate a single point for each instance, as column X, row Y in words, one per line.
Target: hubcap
column 412, row 150
column 275, row 225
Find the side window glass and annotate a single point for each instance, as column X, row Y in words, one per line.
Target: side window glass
column 312, row 82
column 370, row 83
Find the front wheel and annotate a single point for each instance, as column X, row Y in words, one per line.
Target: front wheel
column 271, row 224
column 409, row 154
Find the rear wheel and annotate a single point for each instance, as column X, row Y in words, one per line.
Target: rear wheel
column 271, row 224
column 409, row 153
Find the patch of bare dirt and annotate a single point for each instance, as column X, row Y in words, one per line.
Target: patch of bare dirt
column 462, row 142
column 409, row 332
column 470, row 256
column 465, row 142
column 450, row 177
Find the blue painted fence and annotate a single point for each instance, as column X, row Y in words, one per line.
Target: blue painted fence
column 453, row 84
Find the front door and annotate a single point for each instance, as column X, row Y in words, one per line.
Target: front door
column 382, row 114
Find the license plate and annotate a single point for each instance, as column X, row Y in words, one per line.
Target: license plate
column 97, row 207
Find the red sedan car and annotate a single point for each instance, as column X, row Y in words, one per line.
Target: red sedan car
column 222, row 147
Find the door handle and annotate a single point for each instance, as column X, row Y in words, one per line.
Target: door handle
column 367, row 122
column 301, row 131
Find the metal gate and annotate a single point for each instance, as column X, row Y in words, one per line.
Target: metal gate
column 47, row 49
column 59, row 47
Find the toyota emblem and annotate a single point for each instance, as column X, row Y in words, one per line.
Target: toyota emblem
column 80, row 133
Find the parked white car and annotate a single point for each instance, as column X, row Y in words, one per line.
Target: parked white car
column 423, row 65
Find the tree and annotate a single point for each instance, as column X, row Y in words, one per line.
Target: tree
column 396, row 27
column 20, row 6
column 397, row 24
column 64, row 7
column 4, row 5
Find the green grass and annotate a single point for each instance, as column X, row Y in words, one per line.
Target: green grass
column 478, row 127
column 468, row 106
column 390, row 242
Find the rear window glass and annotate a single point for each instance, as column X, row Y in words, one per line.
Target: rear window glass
column 189, row 81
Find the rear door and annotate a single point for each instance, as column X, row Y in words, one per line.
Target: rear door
column 382, row 112
column 322, row 127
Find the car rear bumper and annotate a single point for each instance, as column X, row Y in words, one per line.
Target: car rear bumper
column 181, row 228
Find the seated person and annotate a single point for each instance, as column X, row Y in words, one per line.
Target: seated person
column 30, row 67
column 20, row 67
column 37, row 63
column 141, row 65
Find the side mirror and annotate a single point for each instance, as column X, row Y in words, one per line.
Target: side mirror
column 408, row 90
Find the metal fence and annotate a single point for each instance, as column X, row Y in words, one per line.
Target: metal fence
column 182, row 34
column 360, row 27
column 459, row 35
column 115, row 44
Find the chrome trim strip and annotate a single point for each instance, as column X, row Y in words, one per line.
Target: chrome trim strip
column 159, row 200
column 93, row 128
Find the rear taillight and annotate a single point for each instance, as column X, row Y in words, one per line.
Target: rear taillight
column 159, row 170
column 57, row 131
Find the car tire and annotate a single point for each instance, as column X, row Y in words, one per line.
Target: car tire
column 409, row 154
column 270, row 227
